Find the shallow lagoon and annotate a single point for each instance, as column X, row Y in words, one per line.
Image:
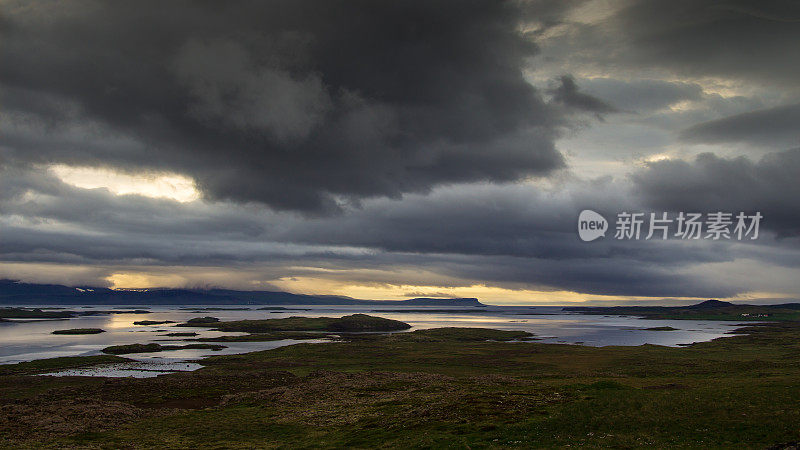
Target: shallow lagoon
column 29, row 340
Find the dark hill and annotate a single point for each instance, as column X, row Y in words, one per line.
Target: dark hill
column 711, row 304
column 707, row 310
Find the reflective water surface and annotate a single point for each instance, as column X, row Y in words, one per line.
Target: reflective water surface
column 29, row 340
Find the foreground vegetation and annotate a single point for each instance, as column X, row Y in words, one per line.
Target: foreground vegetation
column 431, row 388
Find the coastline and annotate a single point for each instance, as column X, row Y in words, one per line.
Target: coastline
column 431, row 387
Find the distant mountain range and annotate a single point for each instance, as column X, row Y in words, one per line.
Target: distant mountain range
column 16, row 293
column 709, row 309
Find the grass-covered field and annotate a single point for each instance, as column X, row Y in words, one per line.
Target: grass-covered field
column 434, row 388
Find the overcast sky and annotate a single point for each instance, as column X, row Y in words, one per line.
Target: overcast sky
column 386, row 150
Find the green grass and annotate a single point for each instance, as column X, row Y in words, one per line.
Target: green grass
column 80, row 331
column 52, row 364
column 464, row 388
column 457, row 334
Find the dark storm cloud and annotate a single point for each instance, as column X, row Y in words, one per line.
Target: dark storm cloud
column 732, row 38
column 711, row 183
column 406, row 117
column 779, row 126
column 617, row 276
column 740, row 40
column 517, row 236
column 296, row 104
column 567, row 93
column 486, row 221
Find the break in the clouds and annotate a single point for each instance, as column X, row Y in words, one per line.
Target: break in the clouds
column 393, row 148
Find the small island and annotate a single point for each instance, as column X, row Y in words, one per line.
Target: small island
column 8, row 312
column 214, row 309
column 354, row 323
column 152, row 348
column 296, row 327
column 282, row 308
column 80, row 331
column 199, row 322
column 33, row 313
column 434, row 311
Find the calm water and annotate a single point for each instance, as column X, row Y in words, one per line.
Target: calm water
column 29, row 340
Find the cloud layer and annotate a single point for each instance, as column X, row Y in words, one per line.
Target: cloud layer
column 294, row 104
column 432, row 144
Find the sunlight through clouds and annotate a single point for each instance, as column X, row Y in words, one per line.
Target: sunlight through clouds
column 157, row 185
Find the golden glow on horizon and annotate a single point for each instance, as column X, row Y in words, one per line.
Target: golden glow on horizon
column 131, row 280
column 387, row 291
column 181, row 277
column 486, row 294
column 156, row 185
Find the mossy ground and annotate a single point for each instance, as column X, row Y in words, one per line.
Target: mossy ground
column 461, row 388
